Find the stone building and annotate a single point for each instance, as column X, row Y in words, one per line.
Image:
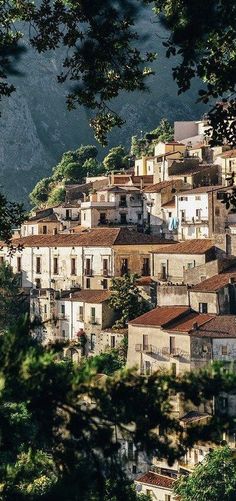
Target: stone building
column 87, row 259
column 169, row 262
column 114, row 205
column 156, row 197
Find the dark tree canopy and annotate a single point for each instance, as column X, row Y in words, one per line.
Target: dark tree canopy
column 103, row 49
column 62, row 426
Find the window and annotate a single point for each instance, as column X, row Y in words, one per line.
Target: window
column 105, row 267
column 182, row 215
column 102, row 219
column 63, row 333
column 203, row 307
column 223, row 403
column 68, row 214
column 123, row 218
column 38, row 264
column 167, row 497
column 184, row 199
column 38, row 283
column 134, row 469
column 145, row 342
column 198, row 213
column 81, row 313
column 139, row 216
column 124, row 266
column 1, row 260
column 185, row 179
column 54, row 231
column 105, row 284
column 224, row 350
column 130, row 452
column 197, row 197
column 73, row 266
column 63, row 309
column 88, row 266
column 55, row 266
column 220, row 195
column 18, row 264
column 84, row 216
column 45, row 309
column 123, row 201
column 87, row 283
column 93, row 315
column 217, row 211
column 163, row 271
column 93, row 341
column 146, row 267
column 44, row 230
column 32, row 230
column 172, row 344
column 169, row 214
column 113, row 341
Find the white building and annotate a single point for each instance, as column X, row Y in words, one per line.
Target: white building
column 113, row 205
column 159, row 487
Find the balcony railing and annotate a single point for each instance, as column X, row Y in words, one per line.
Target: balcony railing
column 88, row 272
column 194, row 220
column 162, row 352
column 105, row 273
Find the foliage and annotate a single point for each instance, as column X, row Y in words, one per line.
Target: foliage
column 93, row 167
column 40, row 193
column 72, row 167
column 57, row 196
column 205, row 49
column 214, row 479
column 116, row 159
column 164, row 132
column 11, row 216
column 107, row 362
column 13, row 301
column 61, row 426
column 126, row 299
column 103, row 56
column 145, row 146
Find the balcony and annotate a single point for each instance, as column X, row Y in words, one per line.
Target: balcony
column 93, row 321
column 105, row 273
column 161, row 352
column 88, row 272
column 194, row 220
column 98, row 205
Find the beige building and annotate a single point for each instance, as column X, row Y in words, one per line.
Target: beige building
column 169, row 262
column 179, row 339
column 114, row 205
column 227, row 160
column 156, row 198
column 158, row 487
column 52, row 220
column 87, row 259
column 215, row 295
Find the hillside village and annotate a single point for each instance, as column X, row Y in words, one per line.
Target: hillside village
column 170, row 221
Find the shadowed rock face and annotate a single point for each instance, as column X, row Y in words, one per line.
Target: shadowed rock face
column 36, row 128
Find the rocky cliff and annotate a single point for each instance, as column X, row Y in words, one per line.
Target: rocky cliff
column 36, row 128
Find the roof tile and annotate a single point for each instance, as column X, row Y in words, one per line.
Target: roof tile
column 152, row 478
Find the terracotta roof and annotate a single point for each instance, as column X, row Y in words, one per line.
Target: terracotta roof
column 152, row 478
column 160, row 316
column 229, row 154
column 102, row 237
column 194, row 416
column 214, row 283
column 171, row 203
column 201, row 189
column 144, row 281
column 147, row 179
column 119, row 189
column 194, row 169
column 155, row 188
column 220, row 326
column 186, row 324
column 51, row 218
column 194, row 246
column 89, row 296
